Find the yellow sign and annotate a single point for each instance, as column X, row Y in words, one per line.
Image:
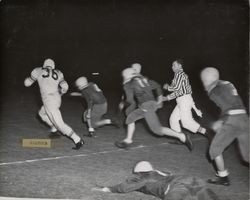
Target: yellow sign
column 44, row 143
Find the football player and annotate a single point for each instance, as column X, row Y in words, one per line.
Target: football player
column 96, row 105
column 164, row 185
column 52, row 86
column 142, row 104
column 232, row 125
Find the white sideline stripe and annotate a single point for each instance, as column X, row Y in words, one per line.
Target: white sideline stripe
column 80, row 155
column 16, row 198
column 70, row 156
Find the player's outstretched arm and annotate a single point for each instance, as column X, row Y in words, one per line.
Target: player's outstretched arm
column 32, row 78
column 28, row 82
column 101, row 189
column 63, row 87
column 75, row 94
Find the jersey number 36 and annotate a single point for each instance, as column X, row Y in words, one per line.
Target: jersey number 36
column 50, row 73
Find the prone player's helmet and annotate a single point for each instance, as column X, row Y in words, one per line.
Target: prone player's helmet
column 49, row 63
column 208, row 76
column 143, row 166
column 81, row 82
column 128, row 74
column 136, row 67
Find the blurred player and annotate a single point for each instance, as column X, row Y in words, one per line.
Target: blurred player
column 52, row 85
column 182, row 92
column 96, row 104
column 233, row 123
column 164, row 185
column 142, row 104
column 137, row 69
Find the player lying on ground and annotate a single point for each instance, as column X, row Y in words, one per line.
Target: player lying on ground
column 52, row 86
column 141, row 104
column 164, row 185
column 96, row 104
column 233, row 123
column 181, row 90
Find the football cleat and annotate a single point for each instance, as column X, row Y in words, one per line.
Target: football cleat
column 219, row 181
column 122, row 144
column 78, row 145
column 92, row 134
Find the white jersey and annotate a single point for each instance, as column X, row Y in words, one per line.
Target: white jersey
column 48, row 80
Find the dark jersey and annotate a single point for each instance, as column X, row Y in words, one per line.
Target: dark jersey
column 163, row 185
column 151, row 183
column 93, row 95
column 225, row 96
column 140, row 90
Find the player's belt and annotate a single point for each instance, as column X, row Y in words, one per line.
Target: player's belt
column 236, row 112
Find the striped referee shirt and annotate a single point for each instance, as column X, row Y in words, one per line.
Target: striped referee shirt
column 180, row 85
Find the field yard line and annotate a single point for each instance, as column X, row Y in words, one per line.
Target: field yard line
column 81, row 155
column 16, row 198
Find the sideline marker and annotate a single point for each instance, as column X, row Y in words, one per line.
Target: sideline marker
column 41, row 143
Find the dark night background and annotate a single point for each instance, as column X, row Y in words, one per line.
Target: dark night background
column 107, row 36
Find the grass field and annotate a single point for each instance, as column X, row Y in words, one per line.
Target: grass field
column 60, row 172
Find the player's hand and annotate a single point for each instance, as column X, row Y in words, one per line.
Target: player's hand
column 217, row 125
column 63, row 91
column 165, row 86
column 121, row 105
column 101, row 189
column 166, row 98
column 28, row 82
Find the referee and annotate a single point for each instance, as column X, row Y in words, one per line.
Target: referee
column 181, row 90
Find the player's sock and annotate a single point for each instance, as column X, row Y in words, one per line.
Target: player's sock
column 202, row 130
column 108, row 121
column 53, row 129
column 91, row 132
column 75, row 138
column 54, row 133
